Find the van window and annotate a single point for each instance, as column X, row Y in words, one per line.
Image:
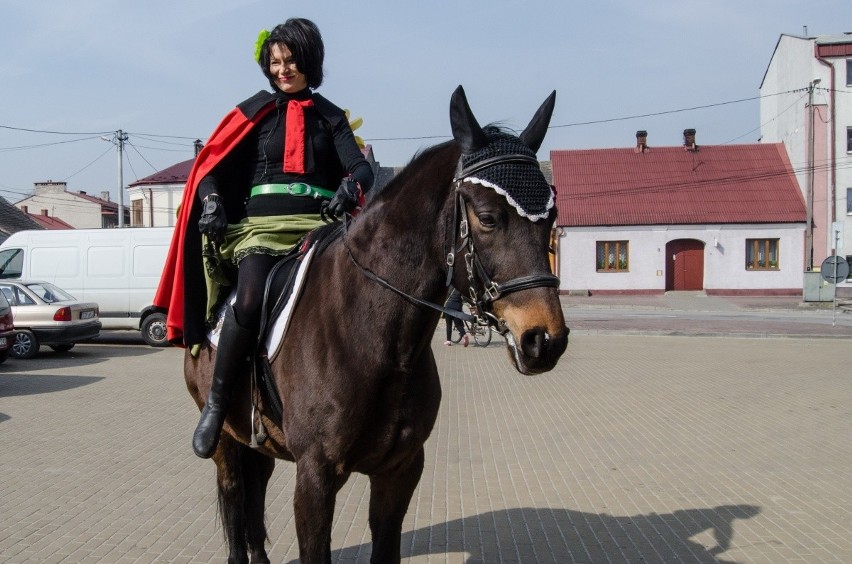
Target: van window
column 11, row 263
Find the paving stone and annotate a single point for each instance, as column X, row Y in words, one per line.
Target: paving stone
column 635, row 448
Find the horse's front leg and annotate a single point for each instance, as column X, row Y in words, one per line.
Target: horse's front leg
column 390, row 495
column 317, row 484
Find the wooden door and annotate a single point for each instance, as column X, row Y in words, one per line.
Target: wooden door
column 685, row 265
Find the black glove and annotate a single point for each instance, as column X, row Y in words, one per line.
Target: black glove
column 213, row 221
column 345, row 199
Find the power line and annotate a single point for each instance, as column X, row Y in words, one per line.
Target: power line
column 55, row 132
column 88, row 165
column 154, row 136
column 23, row 147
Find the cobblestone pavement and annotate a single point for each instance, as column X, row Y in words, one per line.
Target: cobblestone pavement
column 697, row 314
column 635, row 448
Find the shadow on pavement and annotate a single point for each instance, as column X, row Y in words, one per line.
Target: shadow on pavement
column 31, row 384
column 531, row 534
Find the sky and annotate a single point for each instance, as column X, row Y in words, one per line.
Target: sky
column 72, row 74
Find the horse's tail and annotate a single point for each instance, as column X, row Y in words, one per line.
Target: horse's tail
column 242, row 476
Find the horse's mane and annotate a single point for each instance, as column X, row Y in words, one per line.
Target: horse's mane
column 325, row 235
column 424, row 159
column 435, row 158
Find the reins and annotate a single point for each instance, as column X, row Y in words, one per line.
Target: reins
column 491, row 290
column 385, row 284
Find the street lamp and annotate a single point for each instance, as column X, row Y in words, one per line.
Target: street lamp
column 119, row 138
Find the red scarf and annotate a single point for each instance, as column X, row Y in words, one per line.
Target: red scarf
column 294, row 138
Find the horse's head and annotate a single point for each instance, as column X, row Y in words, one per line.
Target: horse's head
column 506, row 213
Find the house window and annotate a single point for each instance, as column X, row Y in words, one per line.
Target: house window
column 612, row 256
column 849, row 139
column 136, row 212
column 848, row 72
column 761, row 254
column 849, row 201
column 849, row 261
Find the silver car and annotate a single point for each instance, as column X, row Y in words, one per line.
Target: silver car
column 45, row 314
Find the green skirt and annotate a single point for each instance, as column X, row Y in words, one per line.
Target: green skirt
column 271, row 235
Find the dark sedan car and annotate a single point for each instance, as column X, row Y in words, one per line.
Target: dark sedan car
column 44, row 314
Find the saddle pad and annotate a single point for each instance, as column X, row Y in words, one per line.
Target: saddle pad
column 277, row 327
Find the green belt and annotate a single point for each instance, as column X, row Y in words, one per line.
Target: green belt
column 294, row 189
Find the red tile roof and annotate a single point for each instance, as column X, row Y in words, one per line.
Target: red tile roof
column 751, row 183
column 175, row 174
column 49, row 222
column 107, row 207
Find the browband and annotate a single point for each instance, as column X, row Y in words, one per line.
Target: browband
column 499, row 159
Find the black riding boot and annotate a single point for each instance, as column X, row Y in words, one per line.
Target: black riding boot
column 235, row 344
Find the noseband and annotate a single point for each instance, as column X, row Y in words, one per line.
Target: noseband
column 489, row 290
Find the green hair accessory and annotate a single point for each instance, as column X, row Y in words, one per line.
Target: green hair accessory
column 258, row 45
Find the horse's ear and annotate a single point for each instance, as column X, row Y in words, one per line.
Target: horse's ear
column 466, row 130
column 533, row 135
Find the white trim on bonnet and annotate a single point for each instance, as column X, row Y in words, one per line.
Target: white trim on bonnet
column 521, row 212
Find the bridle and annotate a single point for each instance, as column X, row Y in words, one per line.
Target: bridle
column 490, row 291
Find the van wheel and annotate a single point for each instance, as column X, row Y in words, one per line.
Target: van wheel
column 62, row 348
column 154, row 330
column 25, row 345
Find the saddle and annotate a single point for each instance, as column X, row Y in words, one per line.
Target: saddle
column 281, row 294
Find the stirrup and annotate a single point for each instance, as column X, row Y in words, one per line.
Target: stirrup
column 258, row 431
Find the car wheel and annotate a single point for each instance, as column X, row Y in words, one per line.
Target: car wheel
column 25, row 345
column 154, row 330
column 62, row 348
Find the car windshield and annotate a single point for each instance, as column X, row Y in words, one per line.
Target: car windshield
column 50, row 293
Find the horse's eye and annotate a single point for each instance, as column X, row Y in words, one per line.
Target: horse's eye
column 487, row 220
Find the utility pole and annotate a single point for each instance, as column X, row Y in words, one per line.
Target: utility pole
column 120, row 138
column 809, row 202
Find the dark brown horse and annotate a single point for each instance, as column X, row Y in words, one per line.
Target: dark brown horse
column 356, row 372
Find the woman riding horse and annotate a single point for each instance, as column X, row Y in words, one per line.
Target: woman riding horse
column 483, row 224
column 254, row 191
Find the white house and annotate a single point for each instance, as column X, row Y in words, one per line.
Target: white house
column 725, row 219
column 806, row 104
column 154, row 200
column 78, row 209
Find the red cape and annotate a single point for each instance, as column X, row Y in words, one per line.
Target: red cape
column 185, row 325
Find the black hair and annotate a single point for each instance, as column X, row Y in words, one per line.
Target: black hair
column 303, row 38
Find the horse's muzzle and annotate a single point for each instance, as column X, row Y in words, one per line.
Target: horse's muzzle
column 537, row 350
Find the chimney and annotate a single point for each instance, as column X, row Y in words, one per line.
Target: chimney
column 49, row 187
column 689, row 140
column 44, row 213
column 198, row 146
column 82, row 192
column 24, row 209
column 105, row 196
column 641, row 141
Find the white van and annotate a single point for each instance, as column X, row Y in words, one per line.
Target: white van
column 117, row 268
